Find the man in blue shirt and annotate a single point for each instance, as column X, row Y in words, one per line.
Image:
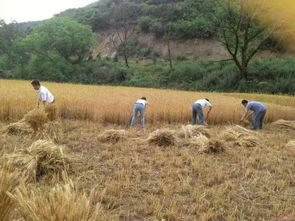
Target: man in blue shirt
column 258, row 110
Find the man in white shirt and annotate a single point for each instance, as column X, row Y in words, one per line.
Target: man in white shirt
column 45, row 96
column 198, row 107
column 139, row 107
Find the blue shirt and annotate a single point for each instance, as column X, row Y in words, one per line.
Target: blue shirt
column 255, row 106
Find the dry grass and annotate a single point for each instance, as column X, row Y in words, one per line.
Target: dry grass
column 43, row 159
column 207, row 173
column 17, row 98
column 51, row 111
column 18, row 128
column 61, row 203
column 291, row 144
column 8, row 182
column 240, row 136
column 113, row 136
column 36, row 119
column 194, row 130
column 162, row 137
column 284, row 124
column 137, row 180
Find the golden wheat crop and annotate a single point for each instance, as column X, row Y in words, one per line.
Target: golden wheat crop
column 114, row 104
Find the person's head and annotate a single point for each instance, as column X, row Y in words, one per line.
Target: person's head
column 36, row 84
column 244, row 102
column 143, row 98
column 207, row 99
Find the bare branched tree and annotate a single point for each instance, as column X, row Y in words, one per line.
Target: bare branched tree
column 240, row 33
column 124, row 17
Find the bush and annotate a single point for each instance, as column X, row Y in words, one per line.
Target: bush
column 188, row 29
column 145, row 23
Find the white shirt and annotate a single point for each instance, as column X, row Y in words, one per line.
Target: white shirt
column 45, row 95
column 203, row 103
column 142, row 101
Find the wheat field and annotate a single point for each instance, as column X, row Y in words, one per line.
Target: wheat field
column 114, row 104
column 86, row 166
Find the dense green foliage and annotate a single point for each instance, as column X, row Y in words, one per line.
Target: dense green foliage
column 272, row 75
column 185, row 19
column 51, row 51
column 60, row 49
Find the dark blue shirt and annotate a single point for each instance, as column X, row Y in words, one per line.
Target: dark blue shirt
column 255, row 106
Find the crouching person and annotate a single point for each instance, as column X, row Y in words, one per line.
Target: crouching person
column 258, row 111
column 197, row 110
column 45, row 96
column 139, row 108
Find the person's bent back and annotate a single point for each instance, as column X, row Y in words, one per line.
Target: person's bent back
column 258, row 110
column 45, row 96
column 139, row 108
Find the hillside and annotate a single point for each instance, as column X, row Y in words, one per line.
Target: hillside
column 192, row 27
column 159, row 44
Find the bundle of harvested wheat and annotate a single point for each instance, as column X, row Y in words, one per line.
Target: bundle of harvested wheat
column 59, row 203
column 50, row 158
column 291, row 144
column 51, row 111
column 233, row 133
column 162, row 137
column 284, row 124
column 194, row 130
column 43, row 159
column 199, row 142
column 204, row 145
column 18, row 128
column 36, row 119
column 113, row 136
column 8, row 182
column 25, row 163
column 240, row 136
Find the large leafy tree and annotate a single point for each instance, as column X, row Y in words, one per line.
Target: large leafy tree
column 9, row 33
column 55, row 46
column 240, row 33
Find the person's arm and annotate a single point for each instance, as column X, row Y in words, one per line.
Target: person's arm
column 209, row 107
column 246, row 115
column 42, row 99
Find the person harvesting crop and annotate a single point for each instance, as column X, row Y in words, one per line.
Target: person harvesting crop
column 139, row 108
column 197, row 109
column 45, row 96
column 258, row 111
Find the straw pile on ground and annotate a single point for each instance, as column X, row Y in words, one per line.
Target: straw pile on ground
column 51, row 112
column 194, row 130
column 162, row 137
column 59, row 203
column 112, row 136
column 205, row 145
column 43, row 159
column 36, row 119
column 240, row 136
column 284, row 124
column 24, row 162
column 18, row 128
column 8, row 182
column 291, row 144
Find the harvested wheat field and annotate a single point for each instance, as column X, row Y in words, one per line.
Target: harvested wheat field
column 169, row 171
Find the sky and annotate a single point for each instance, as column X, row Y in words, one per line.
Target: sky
column 34, row 10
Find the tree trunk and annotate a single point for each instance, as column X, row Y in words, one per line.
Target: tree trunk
column 244, row 72
column 169, row 54
column 126, row 58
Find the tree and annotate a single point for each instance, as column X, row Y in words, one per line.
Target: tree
column 55, row 46
column 240, row 33
column 9, row 33
column 124, row 17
